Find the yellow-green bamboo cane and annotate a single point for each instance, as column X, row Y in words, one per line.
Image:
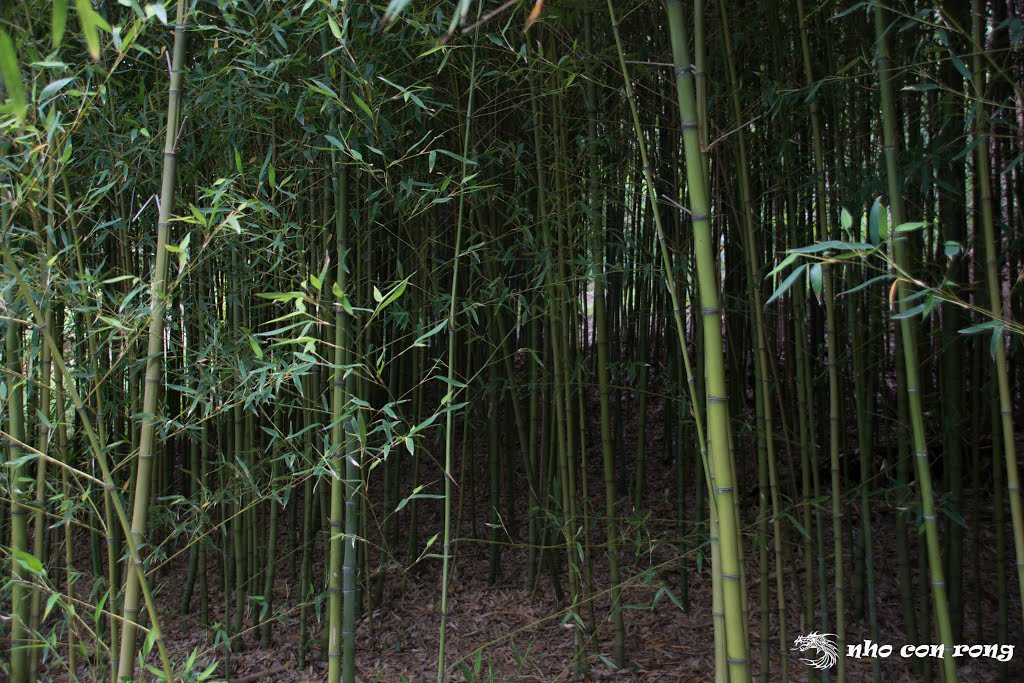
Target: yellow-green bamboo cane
column 924, row 477
column 97, row 452
column 995, row 301
column 718, row 415
column 449, row 434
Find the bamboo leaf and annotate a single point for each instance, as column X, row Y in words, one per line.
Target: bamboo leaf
column 335, row 29
column 395, row 9
column 12, row 76
column 845, row 219
column 834, row 245
column 782, row 266
column 29, row 562
column 58, row 21
column 430, row 333
column 909, row 227
column 255, row 347
column 814, row 275
column 91, row 23
column 877, row 223
column 157, row 9
column 910, row 312
column 868, row 283
column 786, row 284
column 362, row 105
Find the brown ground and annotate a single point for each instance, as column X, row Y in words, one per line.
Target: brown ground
column 517, row 636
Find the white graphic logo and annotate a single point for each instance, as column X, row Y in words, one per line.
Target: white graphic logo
column 826, row 649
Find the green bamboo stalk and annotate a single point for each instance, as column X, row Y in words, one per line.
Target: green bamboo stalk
column 97, row 453
column 996, row 305
column 720, row 460
column 901, row 257
column 43, row 439
column 20, row 576
column 343, row 519
column 154, row 354
column 767, row 467
column 604, row 389
column 450, row 377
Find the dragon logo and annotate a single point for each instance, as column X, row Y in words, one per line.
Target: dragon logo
column 827, row 652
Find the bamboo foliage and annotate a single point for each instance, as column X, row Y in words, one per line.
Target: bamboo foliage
column 454, row 304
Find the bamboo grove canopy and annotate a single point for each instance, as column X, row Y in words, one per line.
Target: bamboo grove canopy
column 488, row 340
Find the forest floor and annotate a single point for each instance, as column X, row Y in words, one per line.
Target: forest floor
column 503, row 632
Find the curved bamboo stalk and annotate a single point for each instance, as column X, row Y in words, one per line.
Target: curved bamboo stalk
column 154, row 353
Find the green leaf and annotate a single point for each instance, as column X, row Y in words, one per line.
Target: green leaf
column 430, row 333
column 457, row 157
column 834, row 245
column 59, row 21
column 997, row 339
column 91, row 23
column 50, row 602
column 157, row 9
column 362, row 105
column 982, row 327
column 877, row 223
column 29, row 563
column 785, row 262
column 870, row 282
column 12, row 76
column 960, row 66
column 952, row 249
column 255, row 347
column 910, row 312
column 335, row 29
column 909, row 227
column 845, row 219
column 786, row 284
column 390, row 297
column 54, row 87
column 814, row 275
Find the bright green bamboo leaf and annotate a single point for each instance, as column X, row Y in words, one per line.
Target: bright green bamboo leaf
column 845, row 219
column 91, row 23
column 457, row 157
column 29, row 562
column 58, row 21
column 12, row 76
column 390, row 297
column 335, row 29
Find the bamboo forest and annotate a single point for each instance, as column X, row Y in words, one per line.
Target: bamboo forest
column 511, row 340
